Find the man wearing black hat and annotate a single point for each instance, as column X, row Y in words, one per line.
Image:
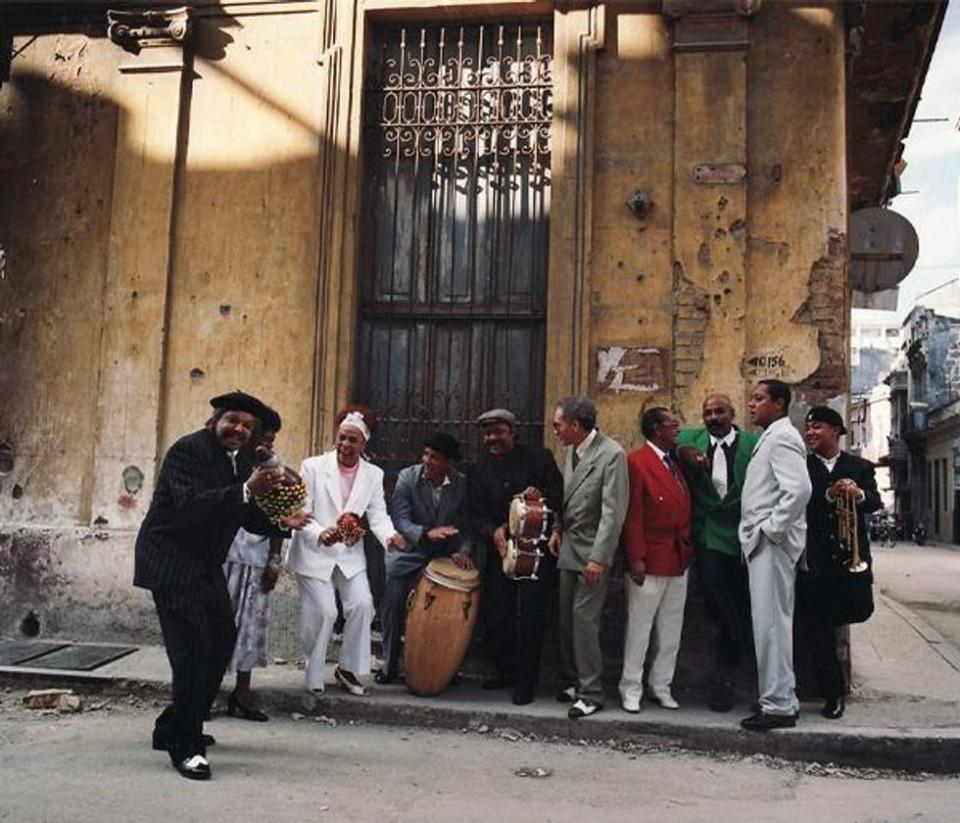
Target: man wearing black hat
column 429, row 508
column 202, row 497
column 514, row 611
column 822, row 598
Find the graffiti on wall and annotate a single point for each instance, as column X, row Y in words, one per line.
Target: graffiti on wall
column 633, row 368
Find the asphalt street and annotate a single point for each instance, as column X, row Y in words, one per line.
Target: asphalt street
column 924, row 578
column 97, row 766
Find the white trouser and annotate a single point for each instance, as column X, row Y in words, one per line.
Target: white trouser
column 773, row 573
column 318, row 614
column 655, row 608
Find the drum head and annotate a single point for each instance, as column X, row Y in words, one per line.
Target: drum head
column 515, row 518
column 443, row 570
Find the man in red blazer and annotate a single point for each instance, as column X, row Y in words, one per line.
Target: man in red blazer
column 656, row 535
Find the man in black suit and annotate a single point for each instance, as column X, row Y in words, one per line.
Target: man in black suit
column 822, row 597
column 514, row 611
column 202, row 497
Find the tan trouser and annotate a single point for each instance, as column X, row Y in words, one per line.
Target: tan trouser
column 581, row 661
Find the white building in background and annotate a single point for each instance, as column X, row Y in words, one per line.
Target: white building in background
column 869, row 436
column 874, row 342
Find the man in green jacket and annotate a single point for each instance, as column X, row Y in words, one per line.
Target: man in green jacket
column 720, row 453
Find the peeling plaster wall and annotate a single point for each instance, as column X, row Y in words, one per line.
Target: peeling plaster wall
column 162, row 243
column 630, row 265
column 55, row 114
column 798, row 299
column 739, row 271
column 160, row 246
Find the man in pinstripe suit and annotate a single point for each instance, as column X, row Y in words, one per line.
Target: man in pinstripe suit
column 203, row 496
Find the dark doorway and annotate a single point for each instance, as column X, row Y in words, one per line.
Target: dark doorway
column 455, row 230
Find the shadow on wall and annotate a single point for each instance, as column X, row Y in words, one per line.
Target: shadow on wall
column 242, row 291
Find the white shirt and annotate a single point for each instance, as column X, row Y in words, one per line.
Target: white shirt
column 830, row 463
column 660, row 452
column 585, row 443
column 667, row 460
column 719, row 473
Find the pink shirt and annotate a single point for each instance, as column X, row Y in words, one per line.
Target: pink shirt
column 347, row 478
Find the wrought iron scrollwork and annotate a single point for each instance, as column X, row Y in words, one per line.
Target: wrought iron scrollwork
column 462, row 93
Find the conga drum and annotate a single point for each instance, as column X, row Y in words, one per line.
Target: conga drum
column 441, row 615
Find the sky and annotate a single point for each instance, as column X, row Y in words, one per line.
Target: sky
column 933, row 170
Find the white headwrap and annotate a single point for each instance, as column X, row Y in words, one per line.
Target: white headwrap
column 354, row 420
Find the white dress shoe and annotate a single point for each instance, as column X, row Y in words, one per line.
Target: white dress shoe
column 583, row 707
column 665, row 699
column 631, row 704
column 349, row 683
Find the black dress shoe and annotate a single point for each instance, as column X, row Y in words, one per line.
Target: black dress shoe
column 523, row 695
column 236, row 709
column 834, row 707
column 721, row 698
column 763, row 722
column 193, row 767
column 500, row 681
column 382, row 678
column 568, row 694
column 162, row 744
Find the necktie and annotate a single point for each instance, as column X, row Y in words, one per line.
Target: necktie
column 233, row 462
column 576, row 458
column 719, row 471
column 672, row 465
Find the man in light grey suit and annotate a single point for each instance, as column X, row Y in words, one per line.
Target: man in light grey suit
column 596, row 491
column 773, row 533
column 429, row 509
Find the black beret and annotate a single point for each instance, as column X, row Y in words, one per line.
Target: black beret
column 241, row 401
column 824, row 414
column 444, row 443
column 271, row 420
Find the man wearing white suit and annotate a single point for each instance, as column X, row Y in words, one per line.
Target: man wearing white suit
column 773, row 533
column 339, row 481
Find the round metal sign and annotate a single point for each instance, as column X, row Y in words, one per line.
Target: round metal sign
column 883, row 249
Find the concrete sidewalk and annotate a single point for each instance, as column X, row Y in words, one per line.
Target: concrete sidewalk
column 904, row 712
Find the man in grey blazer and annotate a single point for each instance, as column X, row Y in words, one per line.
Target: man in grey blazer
column 773, row 533
column 429, row 508
column 596, row 491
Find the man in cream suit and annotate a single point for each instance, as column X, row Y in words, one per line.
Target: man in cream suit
column 338, row 482
column 596, row 492
column 773, row 533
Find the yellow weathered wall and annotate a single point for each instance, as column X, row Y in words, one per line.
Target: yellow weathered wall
column 175, row 228
column 735, row 281
column 631, row 260
column 243, row 284
column 798, row 295
column 56, row 116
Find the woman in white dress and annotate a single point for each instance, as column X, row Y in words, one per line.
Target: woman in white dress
column 339, row 481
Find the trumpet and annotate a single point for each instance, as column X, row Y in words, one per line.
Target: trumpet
column 846, row 508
